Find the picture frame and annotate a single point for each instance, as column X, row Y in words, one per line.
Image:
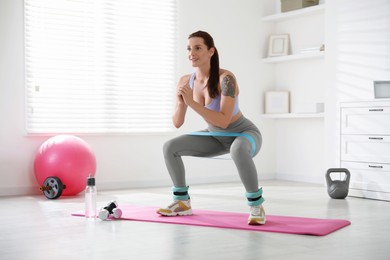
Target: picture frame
column 278, row 45
column 277, row 102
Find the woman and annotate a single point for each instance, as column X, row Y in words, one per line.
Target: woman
column 212, row 93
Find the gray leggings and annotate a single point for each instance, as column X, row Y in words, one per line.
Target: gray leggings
column 240, row 150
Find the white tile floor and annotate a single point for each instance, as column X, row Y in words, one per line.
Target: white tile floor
column 33, row 227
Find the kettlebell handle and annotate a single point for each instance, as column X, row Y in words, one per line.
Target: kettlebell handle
column 345, row 170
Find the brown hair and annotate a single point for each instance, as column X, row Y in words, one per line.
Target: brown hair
column 213, row 81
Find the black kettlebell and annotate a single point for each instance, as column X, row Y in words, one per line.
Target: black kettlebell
column 110, row 210
column 338, row 189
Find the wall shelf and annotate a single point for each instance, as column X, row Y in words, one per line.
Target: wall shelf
column 292, row 115
column 293, row 14
column 298, row 56
column 307, row 36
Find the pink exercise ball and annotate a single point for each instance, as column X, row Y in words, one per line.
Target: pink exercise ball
column 67, row 157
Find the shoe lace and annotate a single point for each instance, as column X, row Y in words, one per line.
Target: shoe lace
column 255, row 210
column 173, row 204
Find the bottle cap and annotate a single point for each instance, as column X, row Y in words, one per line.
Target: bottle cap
column 90, row 180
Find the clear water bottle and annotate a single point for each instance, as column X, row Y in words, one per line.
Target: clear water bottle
column 90, row 198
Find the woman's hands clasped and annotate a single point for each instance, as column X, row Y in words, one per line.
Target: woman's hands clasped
column 185, row 94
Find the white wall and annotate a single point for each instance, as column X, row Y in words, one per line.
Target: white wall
column 296, row 149
column 125, row 161
column 358, row 53
column 299, row 142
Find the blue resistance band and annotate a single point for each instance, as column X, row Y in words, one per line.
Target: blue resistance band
column 247, row 136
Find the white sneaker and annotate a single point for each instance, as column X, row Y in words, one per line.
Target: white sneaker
column 257, row 215
column 178, row 207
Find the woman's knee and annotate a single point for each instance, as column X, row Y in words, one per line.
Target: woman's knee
column 242, row 145
column 168, row 147
column 241, row 148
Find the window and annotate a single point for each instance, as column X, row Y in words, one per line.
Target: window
column 99, row 66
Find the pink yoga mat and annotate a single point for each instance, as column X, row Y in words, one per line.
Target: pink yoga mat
column 220, row 219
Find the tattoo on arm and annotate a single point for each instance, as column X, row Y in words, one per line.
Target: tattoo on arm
column 229, row 86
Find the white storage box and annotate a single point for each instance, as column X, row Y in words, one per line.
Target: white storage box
column 289, row 5
column 302, row 108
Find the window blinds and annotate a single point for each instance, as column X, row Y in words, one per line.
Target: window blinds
column 99, row 66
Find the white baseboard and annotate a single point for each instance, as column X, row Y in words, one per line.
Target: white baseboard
column 120, row 185
column 301, row 178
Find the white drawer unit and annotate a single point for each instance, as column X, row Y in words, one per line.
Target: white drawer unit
column 365, row 147
column 369, row 176
column 365, row 120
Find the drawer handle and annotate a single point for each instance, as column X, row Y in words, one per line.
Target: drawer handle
column 376, row 110
column 375, row 166
column 375, row 138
